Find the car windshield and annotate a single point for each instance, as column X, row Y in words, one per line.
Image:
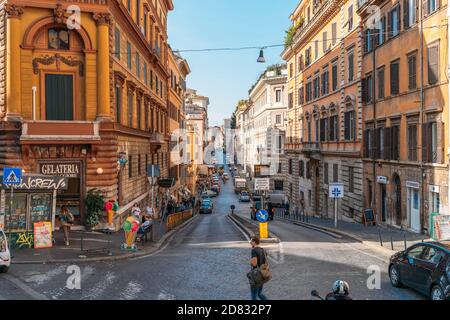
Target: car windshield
column 245, row 194
column 2, row 242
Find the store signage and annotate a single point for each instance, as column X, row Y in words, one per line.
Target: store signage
column 412, row 184
column 434, row 189
column 262, row 184
column 41, row 183
column 382, row 180
column 69, row 170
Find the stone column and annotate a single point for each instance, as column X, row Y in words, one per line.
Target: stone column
column 13, row 78
column 103, row 94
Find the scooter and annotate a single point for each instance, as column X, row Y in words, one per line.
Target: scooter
column 314, row 293
column 330, row 296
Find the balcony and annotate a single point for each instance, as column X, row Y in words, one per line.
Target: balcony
column 157, row 138
column 60, row 132
column 362, row 3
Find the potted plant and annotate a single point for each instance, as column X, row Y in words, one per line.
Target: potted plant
column 94, row 205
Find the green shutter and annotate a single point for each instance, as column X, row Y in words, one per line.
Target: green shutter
column 58, row 97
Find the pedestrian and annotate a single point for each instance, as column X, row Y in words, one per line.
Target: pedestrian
column 67, row 220
column 136, row 211
column 259, row 258
column 286, row 208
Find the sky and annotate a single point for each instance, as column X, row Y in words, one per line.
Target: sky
column 225, row 77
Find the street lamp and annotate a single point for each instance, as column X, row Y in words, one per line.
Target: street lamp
column 261, row 58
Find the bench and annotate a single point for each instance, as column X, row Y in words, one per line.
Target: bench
column 144, row 235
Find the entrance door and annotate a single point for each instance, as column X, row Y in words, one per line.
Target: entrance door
column 383, row 203
column 58, row 97
column 414, row 208
column 398, row 200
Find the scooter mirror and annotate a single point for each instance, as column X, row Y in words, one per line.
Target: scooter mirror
column 314, row 293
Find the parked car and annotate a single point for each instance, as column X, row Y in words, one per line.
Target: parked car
column 5, row 256
column 255, row 207
column 226, row 176
column 424, row 267
column 215, row 188
column 244, row 196
column 206, row 206
column 209, row 194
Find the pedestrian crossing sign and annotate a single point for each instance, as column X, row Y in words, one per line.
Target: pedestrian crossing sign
column 12, row 176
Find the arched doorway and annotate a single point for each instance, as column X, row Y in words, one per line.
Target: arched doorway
column 397, row 197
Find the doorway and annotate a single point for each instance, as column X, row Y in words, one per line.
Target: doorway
column 58, row 97
column 414, row 209
column 383, row 202
column 397, row 200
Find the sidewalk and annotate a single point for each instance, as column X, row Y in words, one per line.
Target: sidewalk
column 96, row 246
column 389, row 238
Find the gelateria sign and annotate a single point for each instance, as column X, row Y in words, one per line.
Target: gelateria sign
column 39, row 182
column 69, row 170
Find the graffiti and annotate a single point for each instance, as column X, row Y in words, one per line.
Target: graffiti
column 22, row 240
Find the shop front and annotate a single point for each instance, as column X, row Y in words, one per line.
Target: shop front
column 33, row 201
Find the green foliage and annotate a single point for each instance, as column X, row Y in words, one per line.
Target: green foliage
column 290, row 34
column 94, row 205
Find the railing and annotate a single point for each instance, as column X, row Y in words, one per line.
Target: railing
column 311, row 146
column 175, row 219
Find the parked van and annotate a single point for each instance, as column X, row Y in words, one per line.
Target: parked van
column 5, row 256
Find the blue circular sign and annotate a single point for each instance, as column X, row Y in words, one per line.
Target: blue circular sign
column 262, row 216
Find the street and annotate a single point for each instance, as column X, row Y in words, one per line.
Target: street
column 208, row 259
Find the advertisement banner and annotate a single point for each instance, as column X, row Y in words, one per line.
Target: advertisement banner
column 43, row 235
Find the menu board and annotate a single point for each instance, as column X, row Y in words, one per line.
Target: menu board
column 41, row 207
column 43, row 235
column 16, row 219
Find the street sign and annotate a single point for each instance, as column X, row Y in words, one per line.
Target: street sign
column 153, row 170
column 166, row 183
column 262, row 184
column 262, row 216
column 336, row 190
column 12, row 176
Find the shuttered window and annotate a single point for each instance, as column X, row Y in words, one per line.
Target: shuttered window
column 381, row 83
column 395, row 77
column 335, row 172
column 412, row 142
column 301, row 97
column 325, row 41
column 117, row 43
column 351, row 66
column 130, row 109
column 433, row 142
column 118, row 104
column 349, row 125
column 351, row 179
column 334, row 76
column 395, row 136
column 333, row 33
column 325, row 82
column 291, row 100
column 412, row 81
column 325, row 173
column 433, row 64
column 323, row 129
column 301, row 169
column 129, row 56
column 333, row 128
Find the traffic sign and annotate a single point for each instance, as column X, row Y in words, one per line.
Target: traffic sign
column 12, row 176
column 262, row 184
column 336, row 190
column 262, row 216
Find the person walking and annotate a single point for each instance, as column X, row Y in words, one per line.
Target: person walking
column 259, row 258
column 67, row 220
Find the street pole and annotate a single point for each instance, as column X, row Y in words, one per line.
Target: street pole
column 335, row 212
column 10, row 218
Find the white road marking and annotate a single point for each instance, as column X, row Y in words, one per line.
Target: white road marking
column 166, row 296
column 19, row 284
column 131, row 291
column 40, row 278
column 100, row 288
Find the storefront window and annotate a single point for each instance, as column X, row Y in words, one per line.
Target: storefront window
column 40, row 208
column 70, row 198
column 16, row 219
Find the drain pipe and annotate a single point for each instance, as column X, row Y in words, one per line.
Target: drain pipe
column 448, row 148
column 34, row 89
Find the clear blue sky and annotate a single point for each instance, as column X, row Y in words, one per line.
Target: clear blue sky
column 226, row 77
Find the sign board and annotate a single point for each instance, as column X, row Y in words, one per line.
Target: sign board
column 262, row 171
column 43, row 235
column 262, row 184
column 434, row 189
column 262, row 216
column 40, row 183
column 382, row 180
column 68, row 170
column 2, row 209
column 264, row 230
column 369, row 216
column 336, row 190
column 12, row 176
column 153, row 170
column 166, row 183
column 412, row 184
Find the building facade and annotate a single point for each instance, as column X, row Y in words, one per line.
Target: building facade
column 405, row 97
column 324, row 130
column 86, row 87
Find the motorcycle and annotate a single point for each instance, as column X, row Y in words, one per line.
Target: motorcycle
column 330, row 296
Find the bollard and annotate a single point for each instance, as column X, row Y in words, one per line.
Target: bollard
column 392, row 243
column 381, row 239
column 404, row 238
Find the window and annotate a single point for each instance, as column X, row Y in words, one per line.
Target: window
column 308, row 170
column 138, row 111
column 130, row 167
column 380, row 31
column 58, row 39
column 278, row 119
column 412, row 83
column 334, row 128
column 138, row 65
column 412, row 142
column 278, row 95
column 291, row 70
column 350, row 17
column 291, row 100
column 301, row 97
column 316, row 83
column 367, row 89
column 301, row 168
column 323, row 129
column 433, row 142
column 157, row 84
column 333, row 33
column 409, row 13
column 381, row 83
column 431, row 6
column 351, row 59
column 325, row 173
column 394, row 22
column 433, row 64
column 316, row 49
column 325, row 82
column 308, row 57
column 308, row 90
column 325, row 41
column 117, row 43
column 367, row 41
column 349, row 125
column 395, row 78
column 130, row 109
column 129, row 55
column 129, row 5
column 395, row 145
column 290, row 166
column 138, row 11
column 118, row 103
column 300, row 63
column 151, row 79
column 416, row 252
column 145, row 73
column 351, row 172
column 334, row 76
column 335, row 172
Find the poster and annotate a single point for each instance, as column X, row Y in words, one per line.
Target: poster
column 442, row 227
column 43, row 235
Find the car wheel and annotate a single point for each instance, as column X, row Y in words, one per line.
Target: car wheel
column 394, row 275
column 4, row 269
column 437, row 293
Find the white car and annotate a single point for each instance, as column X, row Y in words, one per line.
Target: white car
column 5, row 256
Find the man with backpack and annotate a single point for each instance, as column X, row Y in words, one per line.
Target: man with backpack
column 260, row 273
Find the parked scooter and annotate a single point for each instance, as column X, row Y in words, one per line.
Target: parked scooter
column 340, row 291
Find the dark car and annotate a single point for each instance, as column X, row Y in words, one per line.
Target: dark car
column 424, row 267
column 206, row 206
column 256, row 206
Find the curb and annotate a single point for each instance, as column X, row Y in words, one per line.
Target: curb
column 149, row 252
column 273, row 238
